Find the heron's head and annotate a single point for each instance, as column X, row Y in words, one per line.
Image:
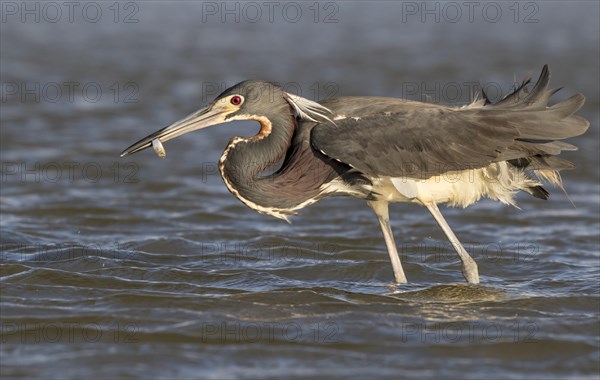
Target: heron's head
column 247, row 100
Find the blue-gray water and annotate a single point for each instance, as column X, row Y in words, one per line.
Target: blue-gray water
column 149, row 268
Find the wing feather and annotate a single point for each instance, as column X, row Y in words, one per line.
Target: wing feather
column 418, row 143
column 421, row 140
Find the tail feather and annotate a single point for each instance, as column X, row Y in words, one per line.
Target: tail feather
column 513, row 99
column 552, row 176
column 552, row 123
column 538, row 192
column 534, row 99
column 540, row 94
column 568, row 107
column 540, row 127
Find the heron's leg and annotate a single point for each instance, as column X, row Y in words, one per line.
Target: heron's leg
column 381, row 210
column 469, row 266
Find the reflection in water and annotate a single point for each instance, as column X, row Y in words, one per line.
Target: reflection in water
column 455, row 294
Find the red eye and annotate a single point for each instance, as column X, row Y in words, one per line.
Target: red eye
column 236, row 100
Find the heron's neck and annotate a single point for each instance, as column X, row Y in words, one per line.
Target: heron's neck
column 245, row 159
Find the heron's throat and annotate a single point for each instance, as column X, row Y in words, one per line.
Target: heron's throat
column 245, row 159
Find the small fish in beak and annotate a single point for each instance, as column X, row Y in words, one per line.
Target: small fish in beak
column 159, row 148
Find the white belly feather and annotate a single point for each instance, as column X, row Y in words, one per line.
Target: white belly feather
column 498, row 181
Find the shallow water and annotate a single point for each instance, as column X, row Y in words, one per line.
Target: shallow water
column 142, row 267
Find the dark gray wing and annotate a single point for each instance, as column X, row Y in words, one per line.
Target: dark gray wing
column 420, row 140
column 418, row 143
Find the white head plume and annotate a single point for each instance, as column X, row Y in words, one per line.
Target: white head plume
column 307, row 109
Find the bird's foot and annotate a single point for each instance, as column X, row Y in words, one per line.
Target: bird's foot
column 470, row 271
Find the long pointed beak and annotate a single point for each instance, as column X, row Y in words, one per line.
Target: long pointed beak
column 206, row 117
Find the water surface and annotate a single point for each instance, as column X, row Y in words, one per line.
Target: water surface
column 149, row 268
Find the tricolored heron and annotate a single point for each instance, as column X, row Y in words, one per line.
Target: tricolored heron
column 387, row 150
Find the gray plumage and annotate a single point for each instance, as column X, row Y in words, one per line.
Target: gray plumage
column 421, row 140
column 388, row 150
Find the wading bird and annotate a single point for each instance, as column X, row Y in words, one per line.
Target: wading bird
column 387, row 150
